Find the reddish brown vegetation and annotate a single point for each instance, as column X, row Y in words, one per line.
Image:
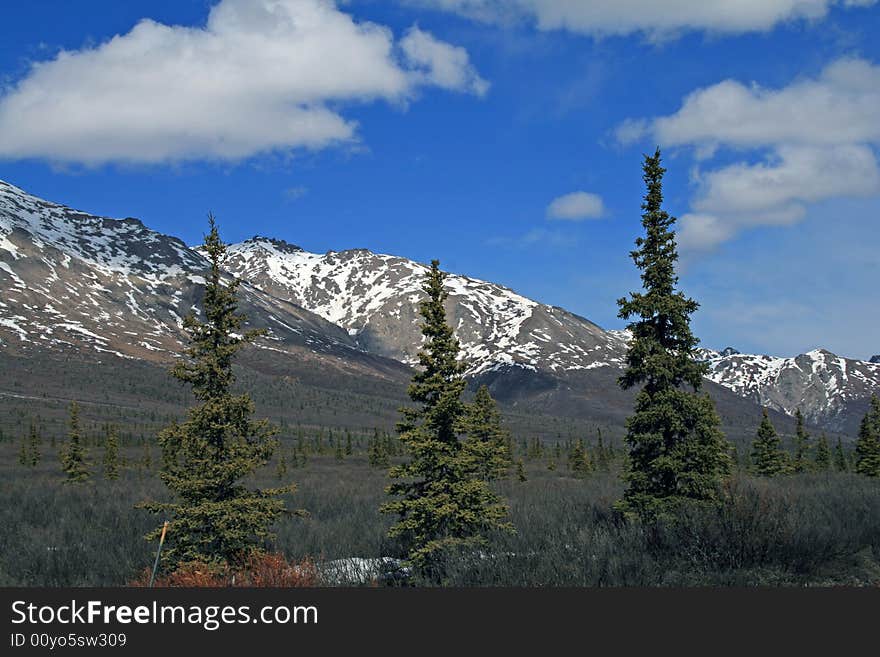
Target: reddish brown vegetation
column 257, row 570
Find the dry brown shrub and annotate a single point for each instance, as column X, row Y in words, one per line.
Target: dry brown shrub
column 259, row 570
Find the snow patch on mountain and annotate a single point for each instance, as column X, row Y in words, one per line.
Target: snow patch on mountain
column 106, row 244
column 75, row 280
column 375, row 298
column 818, row 382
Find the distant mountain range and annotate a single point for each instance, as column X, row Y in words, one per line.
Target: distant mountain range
column 74, row 283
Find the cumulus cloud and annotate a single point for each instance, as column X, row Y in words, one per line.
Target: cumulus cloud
column 816, row 139
column 576, row 206
column 657, row 18
column 260, row 76
column 776, row 192
column 841, row 105
column 441, row 64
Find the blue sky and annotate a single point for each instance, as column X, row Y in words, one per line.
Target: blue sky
column 448, row 128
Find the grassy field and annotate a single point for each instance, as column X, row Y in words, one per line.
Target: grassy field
column 797, row 530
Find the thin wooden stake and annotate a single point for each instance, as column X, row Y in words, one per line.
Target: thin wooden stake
column 158, row 552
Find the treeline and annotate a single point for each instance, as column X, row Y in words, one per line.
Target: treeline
column 769, row 459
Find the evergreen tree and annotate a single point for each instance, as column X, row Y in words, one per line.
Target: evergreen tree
column 111, row 455
column 768, row 459
column 34, row 440
column 521, row 471
column 677, row 453
column 601, row 455
column 801, row 462
column 840, row 461
column 746, row 458
column 486, row 437
column 338, row 452
column 349, row 448
column 822, row 460
column 442, row 503
column 536, row 449
column 578, row 460
column 377, row 454
column 73, row 454
column 214, row 516
column 735, row 457
column 867, row 450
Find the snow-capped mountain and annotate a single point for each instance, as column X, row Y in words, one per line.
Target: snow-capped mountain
column 821, row 384
column 74, row 281
column 79, row 283
column 376, row 298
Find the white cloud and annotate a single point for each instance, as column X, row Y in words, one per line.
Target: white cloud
column 576, row 206
column 657, row 18
column 841, row 105
column 816, row 136
column 776, row 192
column 441, row 64
column 262, row 75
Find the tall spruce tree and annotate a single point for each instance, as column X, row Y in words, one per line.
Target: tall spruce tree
column 841, row 463
column 443, row 504
column 867, row 450
column 822, row 461
column 677, row 452
column 768, row 459
column 579, row 459
column 487, row 438
column 214, row 516
column 801, row 461
column 73, row 453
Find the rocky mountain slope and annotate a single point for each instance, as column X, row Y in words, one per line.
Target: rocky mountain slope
column 829, row 390
column 74, row 282
column 375, row 298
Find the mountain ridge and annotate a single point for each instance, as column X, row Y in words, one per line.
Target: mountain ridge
column 76, row 280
